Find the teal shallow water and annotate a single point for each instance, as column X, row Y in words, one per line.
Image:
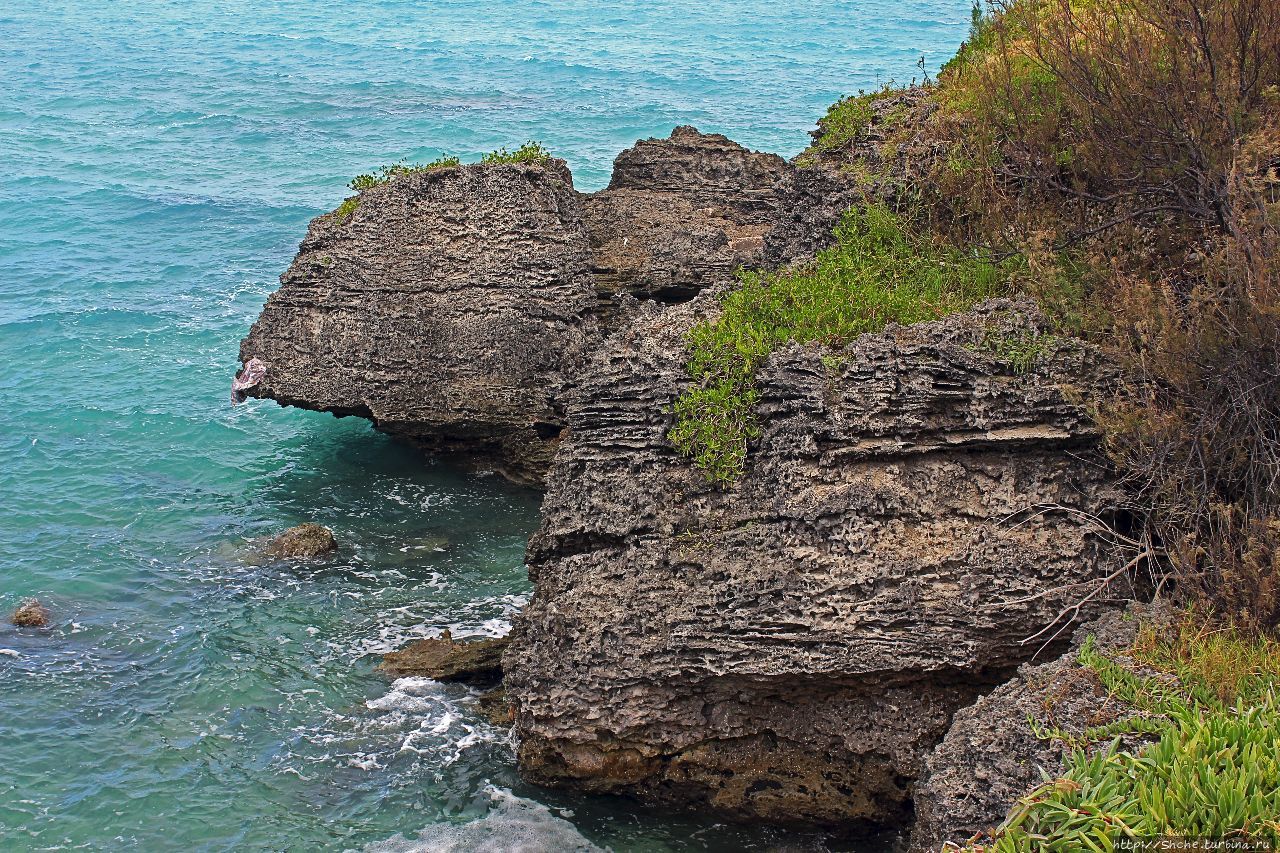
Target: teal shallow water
column 158, row 164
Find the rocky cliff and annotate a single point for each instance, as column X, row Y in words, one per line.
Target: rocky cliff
column 792, row 648
column 452, row 304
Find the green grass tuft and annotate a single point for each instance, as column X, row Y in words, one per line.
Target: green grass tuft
column 1021, row 352
column 383, row 174
column 876, row 273
column 530, row 152
column 347, row 208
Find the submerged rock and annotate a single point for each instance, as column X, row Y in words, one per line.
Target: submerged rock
column 31, row 614
column 305, row 540
column 477, row 662
column 495, row 708
column 792, row 648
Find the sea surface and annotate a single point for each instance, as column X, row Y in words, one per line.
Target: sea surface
column 159, row 162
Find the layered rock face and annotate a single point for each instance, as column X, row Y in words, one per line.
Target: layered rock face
column 681, row 214
column 452, row 305
column 792, row 648
column 446, row 308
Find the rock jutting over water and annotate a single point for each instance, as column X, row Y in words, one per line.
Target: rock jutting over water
column 447, row 307
column 453, row 306
column 305, row 540
column 793, row 647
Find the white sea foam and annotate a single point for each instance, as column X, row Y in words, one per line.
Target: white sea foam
column 512, row 825
column 435, row 724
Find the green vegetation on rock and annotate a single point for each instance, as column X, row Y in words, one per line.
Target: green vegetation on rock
column 529, row 152
column 878, row 272
column 348, row 207
column 1211, row 768
column 1020, row 352
column 383, row 174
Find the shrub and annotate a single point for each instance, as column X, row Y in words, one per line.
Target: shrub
column 383, row 174
column 1141, row 102
column 846, row 120
column 1211, row 774
column 1143, row 136
column 878, row 272
column 529, row 152
column 1213, row 770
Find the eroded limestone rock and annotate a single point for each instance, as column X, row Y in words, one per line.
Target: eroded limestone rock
column 447, row 308
column 681, row 214
column 475, row 662
column 454, row 306
column 31, row 614
column 794, row 647
column 305, row 540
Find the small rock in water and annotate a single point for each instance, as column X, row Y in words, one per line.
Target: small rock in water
column 31, row 614
column 478, row 662
column 305, row 540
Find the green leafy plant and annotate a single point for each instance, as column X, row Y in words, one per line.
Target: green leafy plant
column 1212, row 773
column 383, row 174
column 878, row 272
column 1212, row 770
column 529, row 152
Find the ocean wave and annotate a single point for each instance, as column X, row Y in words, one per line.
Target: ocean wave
column 512, row 825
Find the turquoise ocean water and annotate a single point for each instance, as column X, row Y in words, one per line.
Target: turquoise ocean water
column 158, row 164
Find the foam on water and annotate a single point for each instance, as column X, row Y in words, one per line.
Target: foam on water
column 511, row 825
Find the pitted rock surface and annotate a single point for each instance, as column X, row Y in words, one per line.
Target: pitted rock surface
column 681, row 214
column 447, row 308
column 793, row 647
column 452, row 306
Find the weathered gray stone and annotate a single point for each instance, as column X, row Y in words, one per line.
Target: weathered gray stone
column 475, row 662
column 681, row 214
column 793, row 647
column 990, row 756
column 305, row 540
column 452, row 306
column 447, row 308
